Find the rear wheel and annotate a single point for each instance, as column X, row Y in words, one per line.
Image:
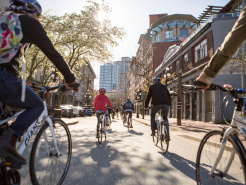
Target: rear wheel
column 155, row 137
column 47, row 166
column 100, row 133
column 164, row 138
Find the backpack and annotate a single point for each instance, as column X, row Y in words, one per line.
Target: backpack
column 10, row 36
column 128, row 105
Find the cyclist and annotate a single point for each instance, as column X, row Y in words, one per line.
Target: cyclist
column 230, row 44
column 100, row 105
column 128, row 108
column 11, row 85
column 161, row 99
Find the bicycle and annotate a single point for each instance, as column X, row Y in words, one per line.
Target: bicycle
column 161, row 134
column 221, row 156
column 126, row 119
column 101, row 130
column 51, row 150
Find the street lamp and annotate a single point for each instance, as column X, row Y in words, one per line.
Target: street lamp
column 167, row 74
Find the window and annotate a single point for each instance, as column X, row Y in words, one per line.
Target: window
column 171, row 23
column 183, row 33
column 201, row 51
column 185, row 63
column 157, row 39
column 169, row 34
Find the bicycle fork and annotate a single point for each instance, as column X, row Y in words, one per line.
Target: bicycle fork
column 222, row 148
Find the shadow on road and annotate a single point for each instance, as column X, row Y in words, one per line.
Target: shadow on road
column 103, row 154
column 185, row 166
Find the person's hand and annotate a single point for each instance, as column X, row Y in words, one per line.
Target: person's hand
column 205, row 79
column 73, row 86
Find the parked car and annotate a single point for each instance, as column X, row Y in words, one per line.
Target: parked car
column 75, row 110
column 66, row 111
column 82, row 111
column 88, row 111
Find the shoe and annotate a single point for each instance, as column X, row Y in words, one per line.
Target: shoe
column 107, row 124
column 97, row 136
column 7, row 151
column 131, row 126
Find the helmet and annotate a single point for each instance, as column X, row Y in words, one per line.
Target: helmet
column 29, row 7
column 156, row 79
column 102, row 91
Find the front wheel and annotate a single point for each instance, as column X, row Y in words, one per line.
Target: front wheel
column 164, row 138
column 47, row 165
column 207, row 154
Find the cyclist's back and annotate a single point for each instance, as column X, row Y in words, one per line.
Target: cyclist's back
column 128, row 108
column 100, row 105
column 161, row 99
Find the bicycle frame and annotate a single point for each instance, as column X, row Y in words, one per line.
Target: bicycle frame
column 237, row 122
column 21, row 145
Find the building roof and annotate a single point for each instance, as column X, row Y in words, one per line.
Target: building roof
column 171, row 18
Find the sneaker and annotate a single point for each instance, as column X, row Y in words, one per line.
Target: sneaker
column 131, row 126
column 7, row 151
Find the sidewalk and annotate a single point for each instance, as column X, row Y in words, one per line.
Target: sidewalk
column 194, row 130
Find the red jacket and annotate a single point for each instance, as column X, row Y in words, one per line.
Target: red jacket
column 100, row 103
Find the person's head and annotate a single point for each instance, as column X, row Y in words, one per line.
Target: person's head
column 128, row 99
column 28, row 7
column 102, row 91
column 156, row 79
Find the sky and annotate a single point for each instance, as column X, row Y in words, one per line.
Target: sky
column 133, row 16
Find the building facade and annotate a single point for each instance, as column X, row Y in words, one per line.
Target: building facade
column 189, row 55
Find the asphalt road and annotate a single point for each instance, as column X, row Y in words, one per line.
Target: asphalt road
column 126, row 157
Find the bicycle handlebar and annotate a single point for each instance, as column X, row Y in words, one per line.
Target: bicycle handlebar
column 234, row 92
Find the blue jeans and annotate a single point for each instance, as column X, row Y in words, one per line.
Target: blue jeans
column 164, row 113
column 10, row 94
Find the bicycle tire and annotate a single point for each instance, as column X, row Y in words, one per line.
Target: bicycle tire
column 156, row 136
column 164, row 139
column 208, row 153
column 128, row 123
column 47, row 167
column 100, row 133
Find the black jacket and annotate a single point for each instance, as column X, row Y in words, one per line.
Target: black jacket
column 34, row 33
column 159, row 94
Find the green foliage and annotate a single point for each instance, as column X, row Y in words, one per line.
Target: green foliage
column 79, row 37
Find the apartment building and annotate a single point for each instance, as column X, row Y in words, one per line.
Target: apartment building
column 114, row 78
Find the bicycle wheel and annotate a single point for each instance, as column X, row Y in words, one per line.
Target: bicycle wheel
column 46, row 165
column 207, row 154
column 164, row 138
column 156, row 136
column 128, row 123
column 100, row 133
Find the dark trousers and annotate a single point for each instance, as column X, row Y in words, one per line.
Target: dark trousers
column 164, row 113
